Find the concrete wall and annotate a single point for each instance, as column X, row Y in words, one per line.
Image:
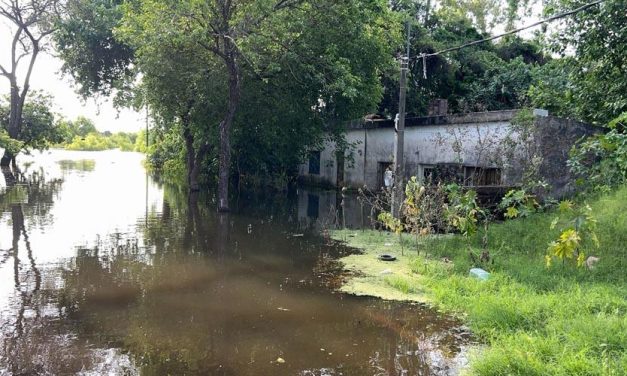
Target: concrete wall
column 485, row 140
column 328, row 169
column 464, row 144
column 464, row 140
column 554, row 139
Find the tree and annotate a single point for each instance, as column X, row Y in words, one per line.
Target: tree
column 39, row 129
column 97, row 61
column 483, row 13
column 289, row 61
column 216, row 47
column 31, row 24
column 182, row 86
column 597, row 38
column 553, row 87
column 486, row 14
column 486, row 76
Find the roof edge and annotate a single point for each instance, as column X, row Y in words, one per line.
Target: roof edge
column 468, row 118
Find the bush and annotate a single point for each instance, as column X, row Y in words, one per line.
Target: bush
column 518, row 203
column 601, row 160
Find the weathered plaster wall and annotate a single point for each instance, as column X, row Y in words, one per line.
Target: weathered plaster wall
column 465, row 139
column 328, row 168
column 465, row 144
column 479, row 139
column 554, row 138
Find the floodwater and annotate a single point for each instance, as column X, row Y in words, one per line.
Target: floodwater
column 105, row 271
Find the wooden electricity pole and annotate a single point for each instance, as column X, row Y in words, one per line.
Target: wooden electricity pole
column 399, row 138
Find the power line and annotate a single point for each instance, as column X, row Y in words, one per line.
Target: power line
column 546, row 20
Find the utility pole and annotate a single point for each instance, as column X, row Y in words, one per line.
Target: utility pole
column 147, row 124
column 399, row 137
column 146, row 154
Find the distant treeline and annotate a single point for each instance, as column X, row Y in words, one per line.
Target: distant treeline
column 42, row 129
column 81, row 134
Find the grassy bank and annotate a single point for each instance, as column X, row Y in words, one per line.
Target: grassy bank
column 536, row 321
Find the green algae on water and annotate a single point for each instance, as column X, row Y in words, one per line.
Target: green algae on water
column 390, row 280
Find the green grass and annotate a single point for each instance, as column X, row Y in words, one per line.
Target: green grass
column 400, row 283
column 535, row 321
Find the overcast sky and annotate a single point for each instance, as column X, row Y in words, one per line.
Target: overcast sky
column 47, row 77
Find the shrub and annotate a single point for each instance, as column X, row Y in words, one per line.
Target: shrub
column 601, row 160
column 518, row 203
column 577, row 234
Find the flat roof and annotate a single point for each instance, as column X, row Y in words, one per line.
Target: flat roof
column 468, row 118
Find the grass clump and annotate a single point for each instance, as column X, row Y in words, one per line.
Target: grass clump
column 535, row 321
column 401, row 284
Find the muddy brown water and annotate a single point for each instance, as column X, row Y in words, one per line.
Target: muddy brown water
column 105, row 271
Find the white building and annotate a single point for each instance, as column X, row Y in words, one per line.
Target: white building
column 479, row 149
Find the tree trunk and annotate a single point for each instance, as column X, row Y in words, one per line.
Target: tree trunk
column 193, row 158
column 225, row 126
column 5, row 162
column 195, row 171
column 190, row 159
column 15, row 122
column 15, row 117
column 9, row 177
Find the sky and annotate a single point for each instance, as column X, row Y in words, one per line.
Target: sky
column 47, row 77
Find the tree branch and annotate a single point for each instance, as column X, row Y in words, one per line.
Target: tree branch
column 3, row 72
column 31, row 64
column 213, row 49
column 282, row 4
column 16, row 40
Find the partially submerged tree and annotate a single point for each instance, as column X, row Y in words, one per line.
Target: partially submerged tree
column 38, row 128
column 31, row 23
column 194, row 57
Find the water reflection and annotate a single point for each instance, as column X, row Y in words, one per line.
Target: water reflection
column 329, row 209
column 83, row 165
column 171, row 287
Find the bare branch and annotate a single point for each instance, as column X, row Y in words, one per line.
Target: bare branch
column 282, row 4
column 4, row 72
column 213, row 49
column 23, row 55
column 16, row 40
column 31, row 64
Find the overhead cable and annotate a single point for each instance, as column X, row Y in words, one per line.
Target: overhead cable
column 546, row 20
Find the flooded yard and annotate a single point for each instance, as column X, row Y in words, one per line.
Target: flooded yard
column 103, row 270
